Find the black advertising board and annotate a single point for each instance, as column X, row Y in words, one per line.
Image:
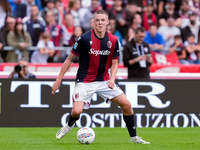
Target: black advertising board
column 156, row 103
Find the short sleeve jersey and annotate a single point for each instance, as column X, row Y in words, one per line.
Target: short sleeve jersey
column 95, row 56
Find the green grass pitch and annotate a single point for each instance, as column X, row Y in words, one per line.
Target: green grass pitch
column 106, row 139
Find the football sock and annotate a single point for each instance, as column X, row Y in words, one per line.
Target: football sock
column 72, row 120
column 130, row 124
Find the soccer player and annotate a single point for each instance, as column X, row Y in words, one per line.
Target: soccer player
column 98, row 50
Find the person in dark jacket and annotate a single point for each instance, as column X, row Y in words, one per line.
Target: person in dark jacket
column 2, row 44
column 9, row 26
column 137, row 56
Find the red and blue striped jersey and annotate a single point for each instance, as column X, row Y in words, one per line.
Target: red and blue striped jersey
column 56, row 33
column 95, row 56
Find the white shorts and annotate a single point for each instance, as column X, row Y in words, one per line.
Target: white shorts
column 84, row 91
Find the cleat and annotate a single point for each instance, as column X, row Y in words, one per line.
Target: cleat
column 63, row 131
column 137, row 139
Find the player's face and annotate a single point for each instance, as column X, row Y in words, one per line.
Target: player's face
column 100, row 22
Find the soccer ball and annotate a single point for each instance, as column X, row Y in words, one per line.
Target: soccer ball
column 85, row 135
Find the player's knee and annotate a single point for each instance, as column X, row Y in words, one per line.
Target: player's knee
column 76, row 112
column 127, row 107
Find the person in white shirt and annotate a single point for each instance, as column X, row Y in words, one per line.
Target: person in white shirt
column 45, row 50
column 168, row 32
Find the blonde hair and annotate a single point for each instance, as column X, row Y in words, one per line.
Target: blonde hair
column 101, row 12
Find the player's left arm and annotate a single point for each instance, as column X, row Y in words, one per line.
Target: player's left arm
column 113, row 72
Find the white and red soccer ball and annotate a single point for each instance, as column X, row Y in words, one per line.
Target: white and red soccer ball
column 85, row 135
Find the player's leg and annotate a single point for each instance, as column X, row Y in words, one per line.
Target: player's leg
column 73, row 117
column 128, row 114
column 128, row 117
column 75, row 113
column 81, row 100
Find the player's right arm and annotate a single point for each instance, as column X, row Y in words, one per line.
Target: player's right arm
column 69, row 60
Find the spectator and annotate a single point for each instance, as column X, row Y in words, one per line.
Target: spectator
column 170, row 12
column 86, row 3
column 154, row 39
column 148, row 16
column 107, row 4
column 74, row 6
column 34, row 25
column 136, row 21
column 91, row 26
column 9, row 26
column 58, row 3
column 20, row 40
column 137, row 56
column 194, row 6
column 2, row 44
column 132, row 8
column 85, row 15
column 20, row 10
column 13, row 5
column 192, row 27
column 121, row 15
column 192, row 49
column 65, row 3
column 179, row 48
column 45, row 49
column 130, row 34
column 108, row 28
column 115, row 32
column 60, row 9
column 95, row 6
column 21, row 71
column 28, row 4
column 77, row 33
column 184, row 13
column 163, row 4
column 51, row 7
column 68, row 28
column 44, row 3
column 168, row 32
column 5, row 9
column 139, row 4
column 56, row 33
column 39, row 4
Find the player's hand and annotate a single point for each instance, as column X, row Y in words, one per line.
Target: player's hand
column 55, row 86
column 111, row 84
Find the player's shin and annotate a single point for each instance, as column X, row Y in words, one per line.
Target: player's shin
column 130, row 123
column 72, row 120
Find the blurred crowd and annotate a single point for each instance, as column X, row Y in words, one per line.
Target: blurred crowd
column 172, row 26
